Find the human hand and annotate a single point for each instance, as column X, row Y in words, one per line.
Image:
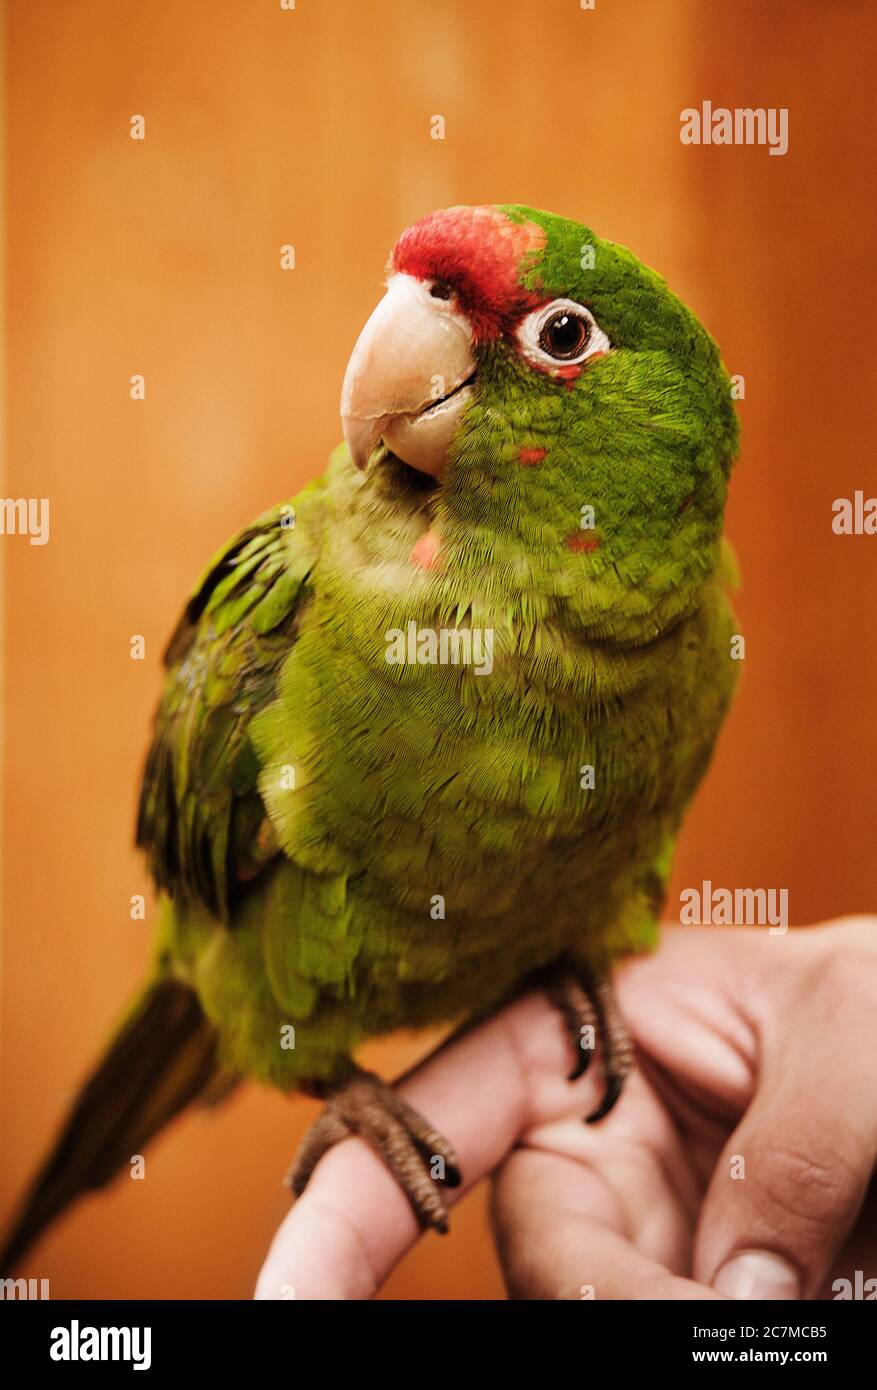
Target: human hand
column 736, row 1162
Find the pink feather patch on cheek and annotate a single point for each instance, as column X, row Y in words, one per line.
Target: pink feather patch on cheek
column 530, row 457
column 570, row 374
column 573, row 370
column 580, row 542
column 425, row 554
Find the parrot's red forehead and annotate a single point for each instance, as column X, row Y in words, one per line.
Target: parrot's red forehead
column 481, row 253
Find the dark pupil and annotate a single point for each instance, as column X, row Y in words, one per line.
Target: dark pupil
column 565, row 335
column 440, row 289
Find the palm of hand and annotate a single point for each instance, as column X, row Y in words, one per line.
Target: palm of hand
column 748, row 1126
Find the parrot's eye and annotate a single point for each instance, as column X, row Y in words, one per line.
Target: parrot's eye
column 565, row 335
column 561, row 332
column 440, row 289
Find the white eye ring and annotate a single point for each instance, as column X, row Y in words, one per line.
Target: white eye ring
column 565, row 314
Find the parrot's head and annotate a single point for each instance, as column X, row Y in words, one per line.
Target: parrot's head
column 546, row 386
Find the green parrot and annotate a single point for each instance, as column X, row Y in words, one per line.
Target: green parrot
column 429, row 728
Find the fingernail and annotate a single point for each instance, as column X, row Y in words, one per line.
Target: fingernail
column 758, row 1274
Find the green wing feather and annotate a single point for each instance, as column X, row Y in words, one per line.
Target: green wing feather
column 201, row 819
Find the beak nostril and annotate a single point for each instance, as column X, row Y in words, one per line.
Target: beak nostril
column 440, row 289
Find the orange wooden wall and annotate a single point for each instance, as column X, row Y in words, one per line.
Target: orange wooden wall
column 162, row 257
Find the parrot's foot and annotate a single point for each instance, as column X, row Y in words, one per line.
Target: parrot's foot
column 409, row 1146
column 586, row 999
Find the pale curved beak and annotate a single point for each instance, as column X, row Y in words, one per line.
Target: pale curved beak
column 408, row 379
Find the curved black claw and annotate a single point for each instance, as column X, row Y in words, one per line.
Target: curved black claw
column 579, row 1013
column 453, row 1177
column 587, row 1001
column 583, row 1061
column 614, row 1087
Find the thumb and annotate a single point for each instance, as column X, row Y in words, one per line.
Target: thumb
column 791, row 1180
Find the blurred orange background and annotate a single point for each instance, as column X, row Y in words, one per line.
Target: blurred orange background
column 311, row 126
